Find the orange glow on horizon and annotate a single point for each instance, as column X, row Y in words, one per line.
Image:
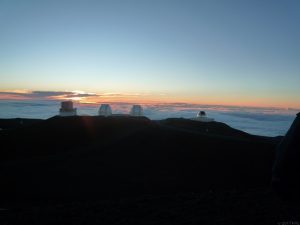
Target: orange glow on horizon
column 82, row 97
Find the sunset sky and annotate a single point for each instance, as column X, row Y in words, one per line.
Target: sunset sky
column 205, row 52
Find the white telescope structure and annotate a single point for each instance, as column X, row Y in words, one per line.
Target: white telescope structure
column 105, row 110
column 136, row 110
column 67, row 109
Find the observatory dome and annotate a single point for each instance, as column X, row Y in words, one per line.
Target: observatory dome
column 105, row 110
column 67, row 109
column 136, row 110
column 201, row 116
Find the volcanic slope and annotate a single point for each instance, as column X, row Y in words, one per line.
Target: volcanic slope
column 86, row 157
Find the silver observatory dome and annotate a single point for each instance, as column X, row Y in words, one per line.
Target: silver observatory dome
column 105, row 110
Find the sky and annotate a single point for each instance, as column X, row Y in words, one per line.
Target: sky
column 242, row 53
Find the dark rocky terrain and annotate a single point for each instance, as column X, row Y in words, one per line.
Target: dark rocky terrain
column 16, row 123
column 117, row 170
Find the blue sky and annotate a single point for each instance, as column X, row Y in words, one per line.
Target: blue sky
column 219, row 52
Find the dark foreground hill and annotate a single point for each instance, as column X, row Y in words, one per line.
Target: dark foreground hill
column 97, row 160
column 16, row 123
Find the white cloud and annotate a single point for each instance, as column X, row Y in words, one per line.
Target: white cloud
column 259, row 121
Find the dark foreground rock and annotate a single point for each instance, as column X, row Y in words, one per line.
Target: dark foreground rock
column 286, row 169
column 17, row 123
column 235, row 207
column 84, row 167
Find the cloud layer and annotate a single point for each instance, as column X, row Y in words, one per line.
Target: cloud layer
column 260, row 121
column 43, row 95
column 79, row 96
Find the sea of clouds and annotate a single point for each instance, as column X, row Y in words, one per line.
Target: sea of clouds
column 259, row 121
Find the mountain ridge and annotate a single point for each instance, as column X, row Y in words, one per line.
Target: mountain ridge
column 98, row 157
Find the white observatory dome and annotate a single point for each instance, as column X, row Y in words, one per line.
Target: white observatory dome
column 105, row 110
column 67, row 109
column 136, row 110
column 201, row 116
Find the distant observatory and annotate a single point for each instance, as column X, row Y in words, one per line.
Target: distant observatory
column 201, row 116
column 67, row 109
column 105, row 110
column 136, row 110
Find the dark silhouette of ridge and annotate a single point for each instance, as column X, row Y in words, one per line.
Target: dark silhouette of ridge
column 84, row 157
column 286, row 170
column 17, row 123
column 210, row 128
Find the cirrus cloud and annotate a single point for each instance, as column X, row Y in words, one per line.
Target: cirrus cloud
column 43, row 95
